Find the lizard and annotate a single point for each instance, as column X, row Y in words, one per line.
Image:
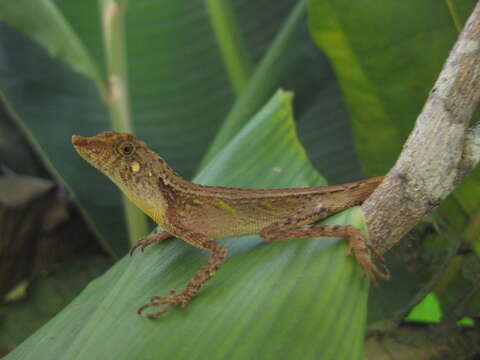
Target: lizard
column 200, row 214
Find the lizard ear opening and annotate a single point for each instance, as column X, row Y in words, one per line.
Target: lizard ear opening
column 126, row 148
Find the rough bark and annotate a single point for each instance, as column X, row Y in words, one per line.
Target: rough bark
column 440, row 151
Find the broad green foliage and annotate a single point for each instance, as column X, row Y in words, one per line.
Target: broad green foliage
column 55, row 35
column 297, row 299
column 47, row 295
column 203, row 77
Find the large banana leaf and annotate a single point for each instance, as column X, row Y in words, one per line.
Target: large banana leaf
column 295, row 299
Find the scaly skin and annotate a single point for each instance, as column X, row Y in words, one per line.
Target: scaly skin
column 199, row 214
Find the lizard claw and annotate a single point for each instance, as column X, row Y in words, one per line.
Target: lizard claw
column 376, row 253
column 142, row 244
column 384, row 273
column 155, row 238
column 363, row 255
column 132, row 250
column 169, row 302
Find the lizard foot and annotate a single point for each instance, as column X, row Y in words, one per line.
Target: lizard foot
column 363, row 253
column 156, row 237
column 169, row 302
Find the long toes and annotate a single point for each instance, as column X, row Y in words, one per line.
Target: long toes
column 143, row 307
column 374, row 273
column 169, row 303
column 160, row 313
column 384, row 273
column 378, row 255
column 157, row 299
column 164, row 300
column 140, row 244
column 369, row 268
column 156, row 314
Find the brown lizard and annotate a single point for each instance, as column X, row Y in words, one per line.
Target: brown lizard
column 199, row 214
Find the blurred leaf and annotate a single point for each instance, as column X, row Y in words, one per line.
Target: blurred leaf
column 43, row 23
column 460, row 296
column 387, row 55
column 15, row 151
column 20, row 190
column 46, row 296
column 267, row 78
column 265, row 298
column 43, row 94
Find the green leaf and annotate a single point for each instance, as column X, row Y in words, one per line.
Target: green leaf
column 428, row 311
column 387, row 55
column 227, row 32
column 292, row 62
column 267, row 78
column 50, row 102
column 47, row 294
column 43, row 23
column 295, row 299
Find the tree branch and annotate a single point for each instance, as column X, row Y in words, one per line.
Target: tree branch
column 440, row 151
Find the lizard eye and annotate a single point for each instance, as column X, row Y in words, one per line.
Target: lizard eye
column 126, row 148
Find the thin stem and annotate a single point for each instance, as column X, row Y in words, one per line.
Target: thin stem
column 232, row 46
column 114, row 43
column 113, row 15
column 454, row 14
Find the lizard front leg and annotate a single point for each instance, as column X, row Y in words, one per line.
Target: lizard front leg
column 219, row 253
column 156, row 237
column 299, row 225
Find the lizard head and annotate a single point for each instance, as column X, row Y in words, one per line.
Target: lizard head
column 128, row 162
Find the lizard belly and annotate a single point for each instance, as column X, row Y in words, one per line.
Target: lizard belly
column 218, row 219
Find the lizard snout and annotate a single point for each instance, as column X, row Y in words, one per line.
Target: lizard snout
column 79, row 140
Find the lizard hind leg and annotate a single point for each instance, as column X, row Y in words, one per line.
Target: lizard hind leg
column 182, row 298
column 299, row 225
